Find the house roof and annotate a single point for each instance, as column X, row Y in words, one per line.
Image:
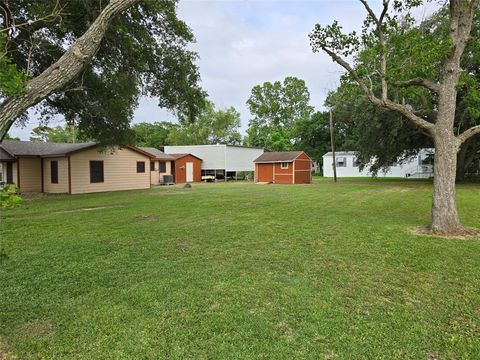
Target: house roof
column 179, row 156
column 5, row 156
column 216, row 145
column 14, row 148
column 39, row 148
column 280, row 156
column 157, row 154
column 341, row 153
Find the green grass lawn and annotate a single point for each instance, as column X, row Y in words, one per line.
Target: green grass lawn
column 239, row 271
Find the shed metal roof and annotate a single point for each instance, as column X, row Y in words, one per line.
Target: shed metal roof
column 341, row 153
column 279, row 156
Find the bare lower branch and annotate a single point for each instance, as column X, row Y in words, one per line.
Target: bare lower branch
column 468, row 134
column 384, row 103
column 370, row 11
column 380, row 28
column 428, row 84
column 7, row 14
column 384, row 11
column 64, row 70
column 378, row 20
column 32, row 24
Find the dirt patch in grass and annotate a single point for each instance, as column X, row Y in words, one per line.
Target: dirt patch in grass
column 250, row 203
column 464, row 234
column 4, row 352
column 169, row 192
column 91, row 208
column 37, row 329
column 146, row 217
column 32, row 195
column 398, row 189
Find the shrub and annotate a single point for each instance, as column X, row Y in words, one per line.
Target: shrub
column 10, row 197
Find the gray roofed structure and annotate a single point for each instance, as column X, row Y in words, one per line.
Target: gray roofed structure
column 341, row 153
column 38, row 148
column 280, row 156
column 158, row 154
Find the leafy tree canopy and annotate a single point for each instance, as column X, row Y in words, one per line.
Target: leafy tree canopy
column 313, row 136
column 11, row 79
column 276, row 108
column 212, row 126
column 384, row 138
column 9, row 137
column 152, row 134
column 144, row 52
column 58, row 134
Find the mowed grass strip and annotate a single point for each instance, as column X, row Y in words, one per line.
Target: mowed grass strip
column 239, row 271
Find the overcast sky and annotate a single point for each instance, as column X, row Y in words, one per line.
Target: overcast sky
column 242, row 43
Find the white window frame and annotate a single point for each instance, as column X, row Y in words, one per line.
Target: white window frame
column 344, row 162
column 284, row 165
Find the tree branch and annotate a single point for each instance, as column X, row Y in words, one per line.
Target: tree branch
column 467, row 134
column 384, row 103
column 428, row 84
column 32, row 25
column 371, row 12
column 384, row 11
column 64, row 70
column 379, row 28
column 8, row 18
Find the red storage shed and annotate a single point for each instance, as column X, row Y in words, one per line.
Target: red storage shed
column 286, row 167
column 187, row 168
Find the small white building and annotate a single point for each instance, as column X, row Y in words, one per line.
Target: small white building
column 417, row 167
column 221, row 161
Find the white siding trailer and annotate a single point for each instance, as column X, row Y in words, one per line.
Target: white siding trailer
column 221, row 161
column 416, row 168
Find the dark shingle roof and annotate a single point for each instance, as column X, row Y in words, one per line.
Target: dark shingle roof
column 281, row 156
column 38, row 148
column 5, row 156
column 157, row 154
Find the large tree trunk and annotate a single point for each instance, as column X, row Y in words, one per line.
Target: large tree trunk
column 66, row 69
column 444, row 209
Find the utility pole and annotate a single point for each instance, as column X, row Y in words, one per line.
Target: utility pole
column 74, row 136
column 332, row 141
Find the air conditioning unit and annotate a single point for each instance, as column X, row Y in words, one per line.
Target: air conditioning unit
column 167, row 179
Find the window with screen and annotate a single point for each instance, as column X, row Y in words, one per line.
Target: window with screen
column 54, row 172
column 162, row 166
column 152, row 165
column 96, row 171
column 140, row 166
column 342, row 162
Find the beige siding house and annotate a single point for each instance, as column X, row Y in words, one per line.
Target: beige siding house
column 73, row 168
column 160, row 164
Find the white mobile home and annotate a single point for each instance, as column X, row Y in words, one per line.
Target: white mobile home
column 221, row 161
column 417, row 167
